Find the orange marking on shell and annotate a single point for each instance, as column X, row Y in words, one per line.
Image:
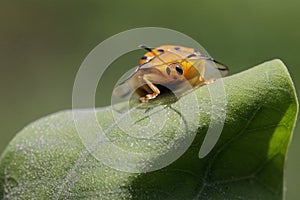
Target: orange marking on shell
column 158, row 51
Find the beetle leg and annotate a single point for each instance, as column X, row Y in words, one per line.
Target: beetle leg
column 202, row 79
column 153, row 88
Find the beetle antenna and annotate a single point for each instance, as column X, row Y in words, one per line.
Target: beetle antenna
column 221, row 66
column 142, row 46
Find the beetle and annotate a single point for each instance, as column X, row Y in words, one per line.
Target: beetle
column 177, row 68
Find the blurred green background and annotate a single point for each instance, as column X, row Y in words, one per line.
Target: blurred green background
column 42, row 44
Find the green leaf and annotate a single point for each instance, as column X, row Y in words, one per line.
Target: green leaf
column 49, row 159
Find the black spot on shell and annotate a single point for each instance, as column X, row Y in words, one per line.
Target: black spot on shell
column 160, row 50
column 191, row 55
column 168, row 70
column 177, row 48
column 144, row 58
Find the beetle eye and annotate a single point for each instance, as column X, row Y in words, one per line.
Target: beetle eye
column 179, row 69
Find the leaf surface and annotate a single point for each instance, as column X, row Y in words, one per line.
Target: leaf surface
column 49, row 159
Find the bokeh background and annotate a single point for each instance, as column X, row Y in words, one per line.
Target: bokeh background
column 42, row 44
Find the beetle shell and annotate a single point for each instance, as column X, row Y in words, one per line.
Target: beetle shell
column 177, row 68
